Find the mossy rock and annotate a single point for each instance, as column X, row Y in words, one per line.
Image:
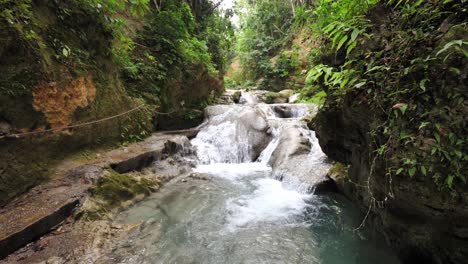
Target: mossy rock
column 286, row 93
column 275, row 98
column 236, row 96
column 116, row 188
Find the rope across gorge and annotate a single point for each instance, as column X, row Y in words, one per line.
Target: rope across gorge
column 84, row 124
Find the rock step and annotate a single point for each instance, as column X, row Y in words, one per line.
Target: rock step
column 40, row 226
column 34, row 214
column 38, row 211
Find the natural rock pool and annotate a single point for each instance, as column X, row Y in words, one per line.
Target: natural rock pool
column 234, row 209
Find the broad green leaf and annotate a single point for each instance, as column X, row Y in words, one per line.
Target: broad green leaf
column 423, row 170
column 350, row 47
column 412, row 171
column 403, row 108
column 354, row 34
column 359, row 85
column 422, row 84
column 450, row 181
column 342, row 41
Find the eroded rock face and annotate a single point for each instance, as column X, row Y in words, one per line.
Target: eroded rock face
column 424, row 224
column 58, row 104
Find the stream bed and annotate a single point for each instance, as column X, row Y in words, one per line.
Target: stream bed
column 237, row 209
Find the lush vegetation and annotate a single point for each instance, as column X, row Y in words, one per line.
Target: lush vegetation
column 156, row 49
column 405, row 60
column 104, row 58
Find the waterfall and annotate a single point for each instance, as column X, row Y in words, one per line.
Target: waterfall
column 268, row 151
column 248, row 200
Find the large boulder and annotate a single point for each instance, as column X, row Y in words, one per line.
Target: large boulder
column 297, row 156
column 286, row 93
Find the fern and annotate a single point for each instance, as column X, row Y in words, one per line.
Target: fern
column 345, row 34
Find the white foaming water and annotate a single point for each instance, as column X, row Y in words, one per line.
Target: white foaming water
column 222, row 143
column 293, row 98
column 270, row 202
column 232, row 171
column 223, row 152
column 265, row 156
column 238, row 213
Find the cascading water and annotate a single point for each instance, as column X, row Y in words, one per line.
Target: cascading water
column 236, row 210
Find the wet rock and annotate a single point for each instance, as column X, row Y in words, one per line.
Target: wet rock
column 286, row 93
column 423, row 224
column 229, row 97
column 325, row 186
column 89, row 174
column 291, row 157
column 282, row 111
column 236, row 96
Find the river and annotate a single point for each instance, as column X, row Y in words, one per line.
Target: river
column 238, row 207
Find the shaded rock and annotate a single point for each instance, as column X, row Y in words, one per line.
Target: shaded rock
column 275, row 98
column 236, row 96
column 282, row 111
column 325, row 186
column 182, row 119
column 421, row 223
column 5, row 128
column 229, row 97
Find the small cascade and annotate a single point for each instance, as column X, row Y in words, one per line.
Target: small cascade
column 292, row 111
column 222, row 143
column 293, row 98
column 248, row 98
column 232, row 134
column 265, row 156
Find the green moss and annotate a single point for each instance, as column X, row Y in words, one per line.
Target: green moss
column 271, row 96
column 236, row 96
column 116, row 188
column 338, row 169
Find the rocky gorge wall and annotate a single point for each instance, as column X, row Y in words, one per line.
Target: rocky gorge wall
column 422, row 223
column 398, row 141
column 58, row 69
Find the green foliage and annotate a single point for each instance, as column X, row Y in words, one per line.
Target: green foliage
column 172, row 41
column 230, row 83
column 345, row 34
column 264, row 27
column 303, row 17
column 414, row 83
column 16, row 13
column 327, row 12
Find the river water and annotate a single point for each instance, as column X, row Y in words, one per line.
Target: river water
column 236, row 211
